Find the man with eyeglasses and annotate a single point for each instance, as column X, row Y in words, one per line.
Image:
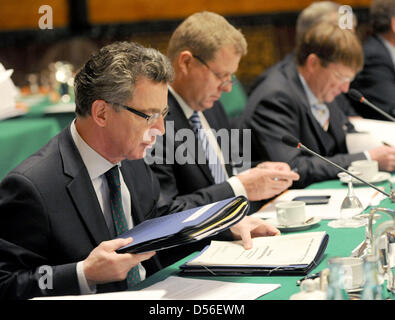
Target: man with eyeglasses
column 301, row 98
column 60, row 207
column 205, row 51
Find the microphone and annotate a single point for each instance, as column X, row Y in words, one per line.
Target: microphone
column 295, row 143
column 357, row 96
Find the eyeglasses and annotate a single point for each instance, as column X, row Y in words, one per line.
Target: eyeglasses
column 223, row 83
column 342, row 78
column 151, row 118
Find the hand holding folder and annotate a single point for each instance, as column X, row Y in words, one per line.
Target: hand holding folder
column 186, row 226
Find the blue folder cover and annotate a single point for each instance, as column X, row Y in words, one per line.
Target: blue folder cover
column 181, row 224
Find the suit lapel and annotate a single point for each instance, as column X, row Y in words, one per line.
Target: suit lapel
column 336, row 123
column 181, row 122
column 384, row 50
column 81, row 189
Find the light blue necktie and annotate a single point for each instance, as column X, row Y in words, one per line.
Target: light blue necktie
column 321, row 113
column 214, row 164
column 118, row 216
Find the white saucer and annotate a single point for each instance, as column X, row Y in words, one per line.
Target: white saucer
column 379, row 177
column 297, row 227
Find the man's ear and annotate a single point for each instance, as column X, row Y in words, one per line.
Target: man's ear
column 312, row 63
column 100, row 112
column 393, row 25
column 184, row 61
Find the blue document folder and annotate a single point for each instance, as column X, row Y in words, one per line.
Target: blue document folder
column 186, row 226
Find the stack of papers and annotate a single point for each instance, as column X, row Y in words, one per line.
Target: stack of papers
column 177, row 288
column 269, row 255
column 367, row 196
column 186, row 226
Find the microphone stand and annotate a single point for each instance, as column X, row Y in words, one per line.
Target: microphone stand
column 385, row 114
column 391, row 196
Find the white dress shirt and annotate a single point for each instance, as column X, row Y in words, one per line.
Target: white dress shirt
column 97, row 166
column 234, row 182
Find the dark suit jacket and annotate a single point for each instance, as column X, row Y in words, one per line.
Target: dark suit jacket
column 50, row 215
column 185, row 186
column 376, row 81
column 277, row 107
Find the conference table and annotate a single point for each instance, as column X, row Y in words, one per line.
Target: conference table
column 341, row 243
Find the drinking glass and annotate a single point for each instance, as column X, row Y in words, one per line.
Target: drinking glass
column 350, row 206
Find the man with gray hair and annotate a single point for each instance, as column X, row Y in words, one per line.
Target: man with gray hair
column 376, row 81
column 61, row 206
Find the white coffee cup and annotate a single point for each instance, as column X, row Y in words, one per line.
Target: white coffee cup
column 368, row 169
column 353, row 277
column 291, row 213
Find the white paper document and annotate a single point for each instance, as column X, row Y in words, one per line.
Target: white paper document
column 367, row 196
column 266, row 251
column 381, row 131
column 360, row 142
column 177, row 288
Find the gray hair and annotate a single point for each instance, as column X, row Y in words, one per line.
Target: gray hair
column 111, row 73
column 315, row 13
column 381, row 12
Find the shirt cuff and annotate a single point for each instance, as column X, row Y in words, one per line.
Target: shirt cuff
column 237, row 186
column 367, row 155
column 83, row 283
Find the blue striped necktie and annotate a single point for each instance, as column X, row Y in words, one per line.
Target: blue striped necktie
column 214, row 164
column 118, row 216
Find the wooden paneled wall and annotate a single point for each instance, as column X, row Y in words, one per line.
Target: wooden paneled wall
column 23, row 14
column 103, row 11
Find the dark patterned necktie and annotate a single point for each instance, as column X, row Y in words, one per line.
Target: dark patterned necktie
column 118, row 216
column 214, row 164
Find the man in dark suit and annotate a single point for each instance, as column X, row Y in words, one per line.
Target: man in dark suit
column 57, row 209
column 316, row 12
column 376, row 81
column 205, row 50
column 299, row 98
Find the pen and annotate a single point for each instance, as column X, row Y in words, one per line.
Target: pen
column 311, row 276
column 386, row 144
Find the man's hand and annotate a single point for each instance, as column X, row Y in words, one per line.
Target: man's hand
column 264, row 182
column 105, row 265
column 251, row 227
column 385, row 156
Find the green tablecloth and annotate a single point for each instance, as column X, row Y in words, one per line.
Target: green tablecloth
column 341, row 243
column 41, row 106
column 21, row 137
